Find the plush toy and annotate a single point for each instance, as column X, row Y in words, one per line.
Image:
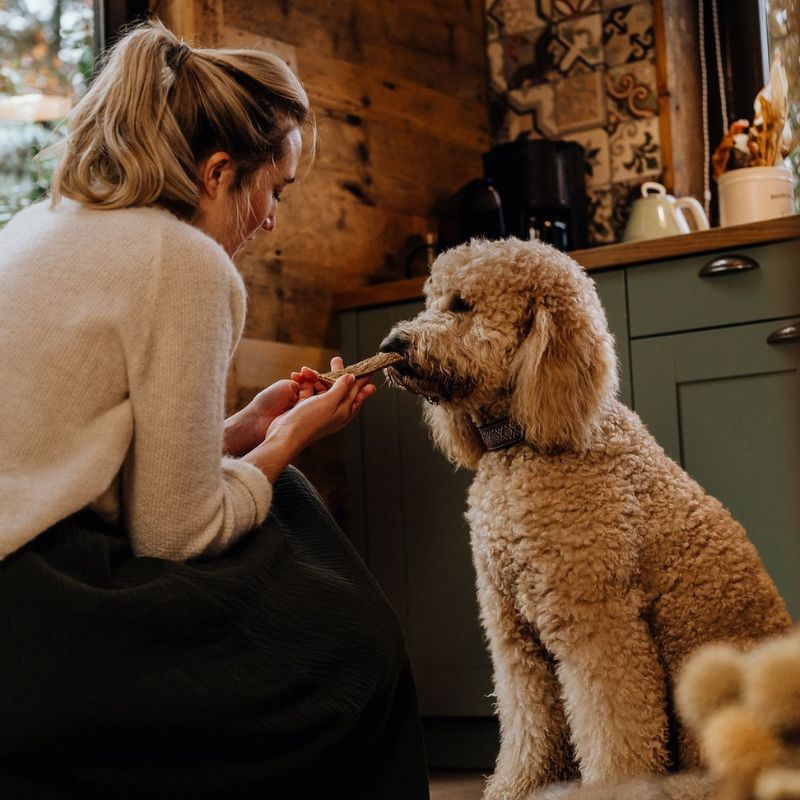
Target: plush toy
column 744, row 708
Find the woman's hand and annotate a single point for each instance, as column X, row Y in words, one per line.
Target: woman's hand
column 311, row 418
column 325, row 412
column 247, row 428
column 310, row 384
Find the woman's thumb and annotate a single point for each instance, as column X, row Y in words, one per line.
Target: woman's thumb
column 342, row 385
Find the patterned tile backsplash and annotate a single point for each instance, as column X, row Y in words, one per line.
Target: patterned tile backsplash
column 581, row 70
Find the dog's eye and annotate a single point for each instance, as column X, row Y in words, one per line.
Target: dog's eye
column 458, row 305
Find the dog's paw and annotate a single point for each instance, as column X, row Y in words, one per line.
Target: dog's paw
column 554, row 791
column 509, row 788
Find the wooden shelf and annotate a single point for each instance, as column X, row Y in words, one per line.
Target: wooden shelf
column 608, row 257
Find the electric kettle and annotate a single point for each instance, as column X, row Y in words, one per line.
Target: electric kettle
column 657, row 213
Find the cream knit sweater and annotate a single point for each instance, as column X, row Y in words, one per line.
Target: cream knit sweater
column 116, row 331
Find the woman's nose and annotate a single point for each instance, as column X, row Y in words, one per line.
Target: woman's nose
column 269, row 223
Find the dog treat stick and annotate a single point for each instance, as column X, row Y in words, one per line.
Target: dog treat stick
column 365, row 367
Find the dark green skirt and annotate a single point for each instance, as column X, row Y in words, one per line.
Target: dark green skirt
column 275, row 671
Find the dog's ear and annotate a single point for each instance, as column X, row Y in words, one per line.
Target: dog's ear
column 454, row 434
column 562, row 373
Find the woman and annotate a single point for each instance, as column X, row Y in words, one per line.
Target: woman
column 180, row 616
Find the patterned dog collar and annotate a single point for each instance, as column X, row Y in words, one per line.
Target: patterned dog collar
column 501, row 434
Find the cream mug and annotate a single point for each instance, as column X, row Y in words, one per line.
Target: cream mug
column 657, row 213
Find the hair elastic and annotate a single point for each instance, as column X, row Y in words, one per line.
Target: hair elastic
column 178, row 55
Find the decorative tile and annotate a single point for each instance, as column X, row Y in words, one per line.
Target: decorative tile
column 599, row 211
column 539, row 101
column 596, row 150
column 622, row 196
column 628, row 33
column 614, row 3
column 632, row 93
column 578, row 45
column 580, row 102
column 519, row 126
column 492, row 29
column 527, row 58
column 567, row 9
column 494, row 56
column 635, row 149
column 514, row 16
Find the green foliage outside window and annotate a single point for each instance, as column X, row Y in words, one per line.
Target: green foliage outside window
column 48, row 50
column 783, row 35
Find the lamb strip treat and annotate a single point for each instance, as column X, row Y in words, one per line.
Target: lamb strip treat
column 365, row 367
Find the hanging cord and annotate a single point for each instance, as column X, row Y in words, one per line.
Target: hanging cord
column 701, row 32
column 723, row 99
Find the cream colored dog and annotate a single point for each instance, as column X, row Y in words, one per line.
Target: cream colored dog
column 600, row 563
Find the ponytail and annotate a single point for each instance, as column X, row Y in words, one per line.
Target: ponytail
column 159, row 107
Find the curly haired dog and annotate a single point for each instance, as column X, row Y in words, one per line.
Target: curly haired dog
column 600, row 563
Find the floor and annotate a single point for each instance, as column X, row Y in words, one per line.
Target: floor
column 456, row 785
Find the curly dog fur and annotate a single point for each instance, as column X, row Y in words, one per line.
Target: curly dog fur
column 600, row 563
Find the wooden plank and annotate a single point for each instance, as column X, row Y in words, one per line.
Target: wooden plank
column 406, row 105
column 199, row 22
column 380, row 294
column 259, row 363
column 425, row 46
column 319, row 222
column 405, row 173
column 236, row 38
column 679, row 94
column 291, row 301
column 664, row 99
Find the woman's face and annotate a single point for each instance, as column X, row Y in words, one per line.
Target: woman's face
column 268, row 183
column 234, row 216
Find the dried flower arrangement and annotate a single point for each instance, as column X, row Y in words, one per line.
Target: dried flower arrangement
column 765, row 142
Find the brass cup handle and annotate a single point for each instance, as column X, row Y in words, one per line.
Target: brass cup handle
column 725, row 265
column 788, row 333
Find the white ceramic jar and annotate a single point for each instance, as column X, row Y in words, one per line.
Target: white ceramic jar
column 751, row 194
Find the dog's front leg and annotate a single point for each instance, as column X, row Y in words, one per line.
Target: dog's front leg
column 534, row 746
column 613, row 684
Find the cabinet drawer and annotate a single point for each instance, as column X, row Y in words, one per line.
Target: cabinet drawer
column 671, row 296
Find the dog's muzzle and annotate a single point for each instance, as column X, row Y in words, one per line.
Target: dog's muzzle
column 403, row 374
column 395, row 342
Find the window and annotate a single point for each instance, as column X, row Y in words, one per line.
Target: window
column 781, row 22
column 749, row 32
column 48, row 52
column 48, row 49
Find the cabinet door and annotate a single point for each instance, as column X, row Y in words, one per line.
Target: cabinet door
column 611, row 289
column 726, row 405
column 406, row 513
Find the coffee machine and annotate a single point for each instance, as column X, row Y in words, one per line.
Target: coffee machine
column 542, row 188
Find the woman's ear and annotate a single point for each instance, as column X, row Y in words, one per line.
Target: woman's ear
column 215, row 173
column 454, row 434
column 561, row 374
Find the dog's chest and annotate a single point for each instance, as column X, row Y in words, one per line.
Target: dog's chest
column 501, row 512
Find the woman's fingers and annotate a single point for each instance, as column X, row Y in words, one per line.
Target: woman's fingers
column 336, row 363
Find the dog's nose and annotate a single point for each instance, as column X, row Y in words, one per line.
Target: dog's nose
column 395, row 342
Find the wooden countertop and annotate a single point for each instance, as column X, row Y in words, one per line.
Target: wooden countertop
column 612, row 255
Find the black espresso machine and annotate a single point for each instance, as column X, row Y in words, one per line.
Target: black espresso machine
column 542, row 189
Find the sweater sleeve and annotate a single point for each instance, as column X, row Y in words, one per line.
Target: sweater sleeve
column 181, row 498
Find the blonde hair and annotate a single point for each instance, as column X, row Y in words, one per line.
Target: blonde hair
column 159, row 107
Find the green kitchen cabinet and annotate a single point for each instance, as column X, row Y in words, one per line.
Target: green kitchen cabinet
column 716, row 378
column 406, row 508
column 611, row 288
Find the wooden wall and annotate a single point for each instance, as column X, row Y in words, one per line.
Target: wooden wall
column 399, row 91
column 679, row 96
